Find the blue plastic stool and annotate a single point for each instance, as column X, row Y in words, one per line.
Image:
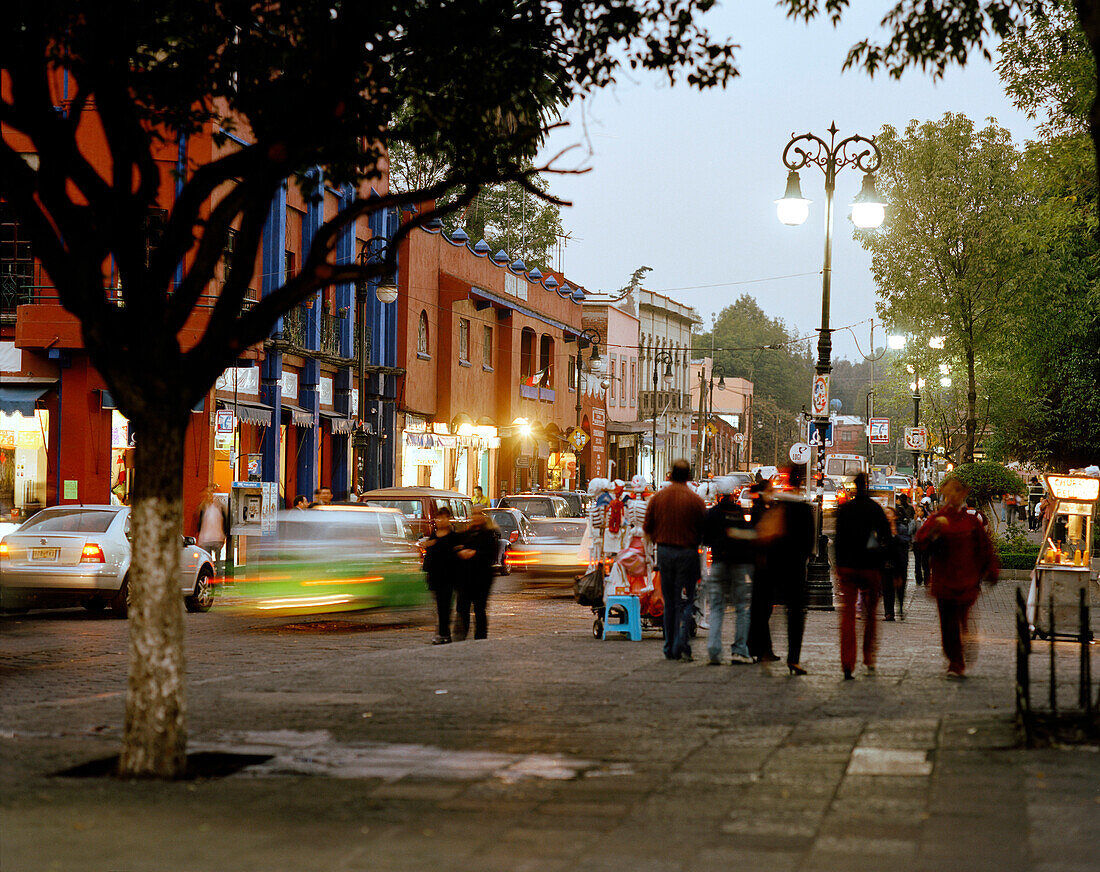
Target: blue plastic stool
column 633, row 623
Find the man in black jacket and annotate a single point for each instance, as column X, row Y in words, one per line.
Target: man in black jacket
column 480, row 546
column 862, row 539
column 731, row 536
column 444, row 569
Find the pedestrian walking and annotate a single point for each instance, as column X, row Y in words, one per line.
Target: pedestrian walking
column 1035, row 494
column 905, row 522
column 480, row 546
column 862, row 536
column 674, row 520
column 920, row 557
column 886, row 580
column 212, row 521
column 479, row 497
column 786, row 534
column 961, row 557
column 732, row 542
column 443, row 568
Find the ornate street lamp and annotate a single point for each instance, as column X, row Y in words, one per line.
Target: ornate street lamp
column 832, row 156
column 373, row 251
column 667, row 379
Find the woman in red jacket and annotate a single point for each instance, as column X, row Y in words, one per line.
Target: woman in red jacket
column 960, row 557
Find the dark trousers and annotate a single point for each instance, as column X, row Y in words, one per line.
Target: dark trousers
column 901, row 576
column 760, row 613
column 444, row 593
column 857, row 587
column 954, row 630
column 886, row 587
column 679, row 568
column 476, row 594
column 794, row 601
column 920, row 567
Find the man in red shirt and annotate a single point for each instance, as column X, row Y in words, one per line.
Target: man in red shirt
column 674, row 522
column 961, row 556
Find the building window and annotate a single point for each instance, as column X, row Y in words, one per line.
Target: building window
column 290, row 264
column 572, row 372
column 527, row 352
column 633, row 382
column 622, row 391
column 155, row 219
column 422, row 333
column 487, row 345
column 611, row 372
column 546, row 360
column 16, row 259
column 464, row 340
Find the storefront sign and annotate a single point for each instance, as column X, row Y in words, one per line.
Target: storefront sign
column 70, row 489
column 422, row 456
column 242, row 379
column 29, row 439
column 523, row 461
column 7, row 439
column 415, row 424
column 289, row 384
column 879, row 432
column 223, row 423
column 1067, row 487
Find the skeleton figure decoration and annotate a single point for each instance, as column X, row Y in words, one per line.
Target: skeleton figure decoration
column 597, row 515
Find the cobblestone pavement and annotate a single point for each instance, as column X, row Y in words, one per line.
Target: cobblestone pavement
column 538, row 749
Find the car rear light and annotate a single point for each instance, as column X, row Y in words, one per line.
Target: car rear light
column 513, row 536
column 91, row 553
column 3, row 550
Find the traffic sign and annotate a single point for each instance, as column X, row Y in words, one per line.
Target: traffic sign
column 880, row 431
column 916, row 438
column 819, row 396
column 578, row 438
column 800, row 453
column 738, row 438
column 711, row 429
column 821, row 434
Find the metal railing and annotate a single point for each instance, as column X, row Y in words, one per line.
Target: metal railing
column 330, row 333
column 1057, row 722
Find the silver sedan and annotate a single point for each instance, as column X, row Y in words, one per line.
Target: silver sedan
column 80, row 555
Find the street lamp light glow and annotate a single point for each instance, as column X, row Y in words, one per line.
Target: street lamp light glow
column 896, row 342
column 868, row 208
column 525, row 430
column 793, row 209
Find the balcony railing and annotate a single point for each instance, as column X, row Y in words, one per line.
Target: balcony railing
column 330, row 333
column 294, row 327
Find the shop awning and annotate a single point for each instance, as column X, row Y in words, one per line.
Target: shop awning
column 340, row 425
column 21, row 398
column 249, row 411
column 299, row 417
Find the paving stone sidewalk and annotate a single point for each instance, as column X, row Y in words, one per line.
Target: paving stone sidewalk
column 544, row 749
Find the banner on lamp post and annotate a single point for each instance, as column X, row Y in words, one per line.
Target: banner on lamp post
column 819, row 397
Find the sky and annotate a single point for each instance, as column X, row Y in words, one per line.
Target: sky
column 685, row 181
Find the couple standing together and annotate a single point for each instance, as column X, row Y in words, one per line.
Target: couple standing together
column 772, row 546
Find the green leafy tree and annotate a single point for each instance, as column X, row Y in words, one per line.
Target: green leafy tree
column 1052, row 348
column 750, row 344
column 522, row 219
column 306, row 84
column 953, row 245
column 988, row 481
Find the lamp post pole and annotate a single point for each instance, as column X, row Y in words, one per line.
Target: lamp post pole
column 830, row 157
column 659, row 358
column 916, row 422
column 592, row 336
column 373, row 251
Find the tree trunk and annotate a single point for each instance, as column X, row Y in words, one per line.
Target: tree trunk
column 154, row 742
column 971, row 408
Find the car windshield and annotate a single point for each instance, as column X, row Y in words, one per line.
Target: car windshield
column 505, row 520
column 533, row 507
column 841, row 466
column 558, row 531
column 408, row 508
column 66, row 520
column 898, row 481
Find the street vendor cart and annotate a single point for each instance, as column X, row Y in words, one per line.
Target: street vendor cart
column 1063, row 568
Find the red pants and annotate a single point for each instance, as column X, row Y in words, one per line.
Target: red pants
column 954, row 630
column 851, row 583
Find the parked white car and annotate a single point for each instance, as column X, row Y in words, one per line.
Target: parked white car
column 80, row 555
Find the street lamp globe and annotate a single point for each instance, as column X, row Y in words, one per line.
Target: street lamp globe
column 386, row 291
column 668, row 377
column 868, row 208
column 793, row 209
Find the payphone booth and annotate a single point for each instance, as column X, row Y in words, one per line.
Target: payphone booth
column 1063, row 568
column 253, row 511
